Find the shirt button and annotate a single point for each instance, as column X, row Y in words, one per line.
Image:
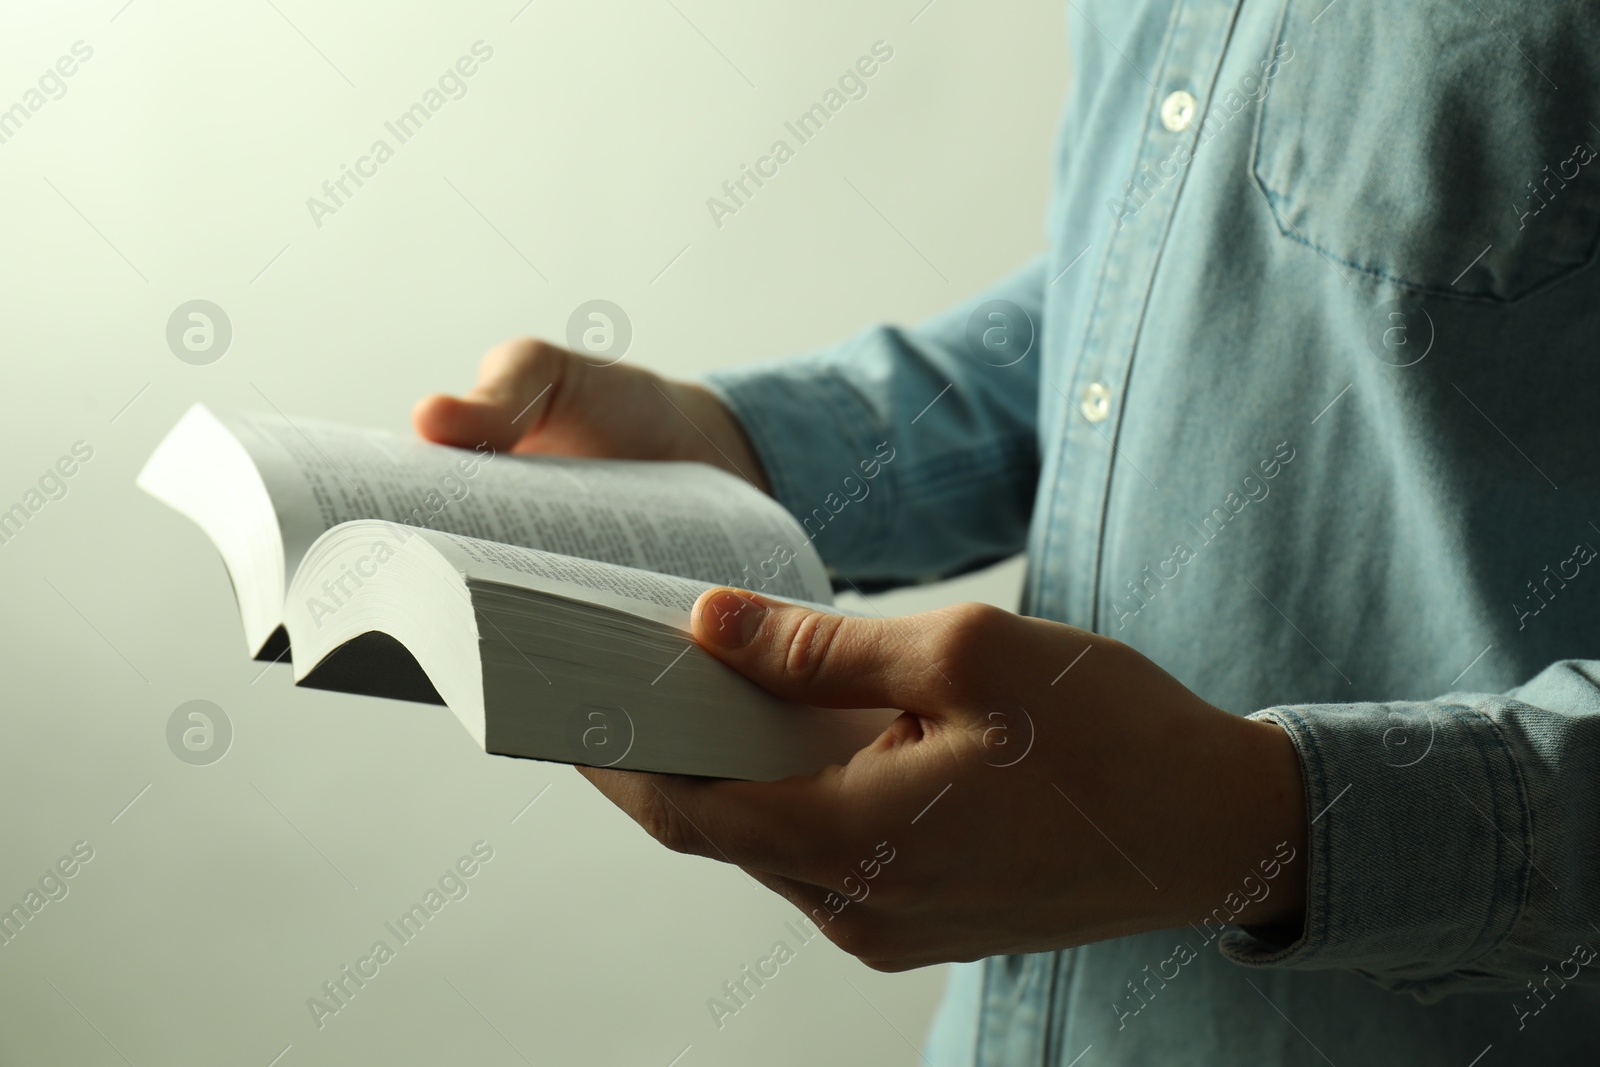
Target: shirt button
column 1096, row 403
column 1177, row 111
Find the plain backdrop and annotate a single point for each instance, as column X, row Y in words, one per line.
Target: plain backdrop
column 175, row 164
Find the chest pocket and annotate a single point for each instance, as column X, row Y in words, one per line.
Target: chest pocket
column 1447, row 147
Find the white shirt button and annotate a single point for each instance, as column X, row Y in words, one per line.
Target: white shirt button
column 1177, row 111
column 1096, row 404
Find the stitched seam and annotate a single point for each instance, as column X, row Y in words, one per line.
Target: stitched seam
column 1158, row 260
column 882, row 521
column 1317, row 932
column 1274, row 199
column 1524, row 810
column 1314, row 938
column 1093, row 314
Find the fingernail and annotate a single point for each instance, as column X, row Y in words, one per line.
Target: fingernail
column 731, row 621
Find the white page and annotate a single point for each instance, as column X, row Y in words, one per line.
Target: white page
column 661, row 598
column 684, row 519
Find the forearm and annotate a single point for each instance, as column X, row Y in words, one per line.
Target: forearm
column 905, row 454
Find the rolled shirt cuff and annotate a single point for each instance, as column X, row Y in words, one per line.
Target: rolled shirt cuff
column 1419, row 838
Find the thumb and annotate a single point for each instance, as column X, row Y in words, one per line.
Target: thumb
column 833, row 661
column 518, row 384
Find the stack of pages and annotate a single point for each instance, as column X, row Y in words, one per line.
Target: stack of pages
column 544, row 600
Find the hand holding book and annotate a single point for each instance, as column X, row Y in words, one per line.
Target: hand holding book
column 543, row 595
column 535, row 397
column 1020, row 814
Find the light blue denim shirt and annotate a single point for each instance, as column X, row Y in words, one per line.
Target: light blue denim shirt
column 1309, row 418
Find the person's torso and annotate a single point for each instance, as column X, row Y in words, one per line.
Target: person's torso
column 1317, row 392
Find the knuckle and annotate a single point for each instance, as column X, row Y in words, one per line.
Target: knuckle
column 968, row 636
column 513, row 352
column 809, row 645
column 531, row 347
column 887, row 966
column 662, row 821
column 857, row 934
column 522, row 356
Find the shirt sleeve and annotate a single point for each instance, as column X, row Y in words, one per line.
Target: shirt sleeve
column 907, row 454
column 1454, row 844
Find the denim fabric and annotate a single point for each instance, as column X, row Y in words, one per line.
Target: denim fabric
column 1309, row 420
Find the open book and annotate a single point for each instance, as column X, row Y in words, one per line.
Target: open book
column 544, row 600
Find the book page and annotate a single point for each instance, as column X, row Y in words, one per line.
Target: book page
column 683, row 519
column 662, row 598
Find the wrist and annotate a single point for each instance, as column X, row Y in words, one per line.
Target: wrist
column 726, row 445
column 1283, row 812
column 1260, row 843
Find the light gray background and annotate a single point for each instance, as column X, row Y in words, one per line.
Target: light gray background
column 176, row 167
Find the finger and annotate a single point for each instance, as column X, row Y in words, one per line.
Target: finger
column 451, row 420
column 820, row 902
column 519, row 383
column 816, row 903
column 929, row 663
column 793, row 828
column 882, row 940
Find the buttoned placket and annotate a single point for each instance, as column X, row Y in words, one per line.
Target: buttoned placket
column 1065, row 579
column 1094, row 370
